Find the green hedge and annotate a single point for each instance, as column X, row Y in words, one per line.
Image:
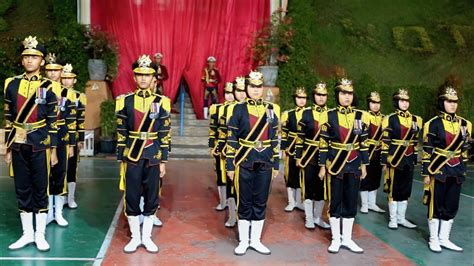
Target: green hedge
column 301, row 67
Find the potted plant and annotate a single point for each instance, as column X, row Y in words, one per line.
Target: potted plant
column 272, row 45
column 103, row 54
column 108, row 127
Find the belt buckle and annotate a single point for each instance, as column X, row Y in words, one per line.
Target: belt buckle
column 406, row 143
column 27, row 126
column 350, row 147
column 451, row 154
column 143, row 135
column 258, row 144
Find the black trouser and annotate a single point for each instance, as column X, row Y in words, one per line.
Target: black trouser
column 313, row 186
column 293, row 173
column 31, row 172
column 57, row 179
column 374, row 173
column 141, row 180
column 253, row 190
column 344, row 194
column 210, row 91
column 446, row 198
column 402, row 183
column 219, row 171
column 72, row 166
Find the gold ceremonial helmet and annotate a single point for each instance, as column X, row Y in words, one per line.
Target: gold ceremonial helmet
column 67, row 72
column 300, row 92
column 374, row 97
column 401, row 94
column 320, row 88
column 255, row 79
column 32, row 47
column 228, row 87
column 51, row 62
column 239, row 83
column 143, row 65
column 449, row 93
column 345, row 85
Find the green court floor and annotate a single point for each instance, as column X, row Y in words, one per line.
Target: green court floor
column 98, row 197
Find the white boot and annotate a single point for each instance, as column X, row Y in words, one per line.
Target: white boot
column 136, row 241
column 444, row 231
column 244, row 229
column 336, row 235
column 317, row 214
column 433, row 244
column 146, row 235
column 299, row 202
column 50, row 215
column 222, row 198
column 58, row 211
column 157, row 221
column 364, row 202
column 206, row 112
column 71, row 196
column 232, row 213
column 255, row 236
column 28, row 236
column 401, row 211
column 308, row 212
column 347, row 241
column 291, row 199
column 392, row 210
column 373, row 202
column 40, row 239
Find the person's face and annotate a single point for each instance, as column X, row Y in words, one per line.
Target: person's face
column 300, row 101
column 229, row 96
column 54, row 74
column 211, row 64
column 320, row 99
column 143, row 80
column 240, row 95
column 158, row 60
column 403, row 105
column 255, row 92
column 68, row 82
column 346, row 98
column 450, row 106
column 374, row 107
column 32, row 63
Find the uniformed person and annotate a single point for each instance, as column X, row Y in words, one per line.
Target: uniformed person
column 161, row 73
column 66, row 124
column 214, row 152
column 343, row 156
column 307, row 157
column 399, row 157
column 445, row 156
column 73, row 162
column 252, row 160
column 210, row 80
column 31, row 140
column 238, row 94
column 143, row 123
column 289, row 122
column 370, row 184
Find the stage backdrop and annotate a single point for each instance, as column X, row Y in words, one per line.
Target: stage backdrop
column 186, row 32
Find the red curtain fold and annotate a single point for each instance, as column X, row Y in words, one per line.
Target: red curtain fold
column 186, row 32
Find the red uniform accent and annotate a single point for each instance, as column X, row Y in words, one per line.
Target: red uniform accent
column 215, row 76
column 316, row 126
column 372, row 130
column 404, row 132
column 343, row 134
column 253, row 120
column 449, row 139
column 137, row 119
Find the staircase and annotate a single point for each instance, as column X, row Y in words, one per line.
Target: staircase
column 193, row 144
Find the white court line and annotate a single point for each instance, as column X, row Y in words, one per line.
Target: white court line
column 108, row 237
column 46, row 259
column 462, row 194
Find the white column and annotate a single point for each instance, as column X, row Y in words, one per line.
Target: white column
column 84, row 12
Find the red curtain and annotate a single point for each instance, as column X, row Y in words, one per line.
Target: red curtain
column 186, row 32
